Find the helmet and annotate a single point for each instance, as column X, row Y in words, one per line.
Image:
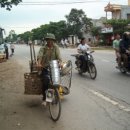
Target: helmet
column 50, row 36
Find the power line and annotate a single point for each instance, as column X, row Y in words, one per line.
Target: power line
column 59, row 3
column 18, row 27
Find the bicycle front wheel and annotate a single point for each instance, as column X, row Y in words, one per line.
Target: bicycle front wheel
column 55, row 106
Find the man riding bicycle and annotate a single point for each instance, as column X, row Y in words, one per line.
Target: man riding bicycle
column 50, row 51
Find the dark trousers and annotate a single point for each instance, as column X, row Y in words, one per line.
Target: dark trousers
column 46, row 82
column 7, row 53
column 12, row 50
column 82, row 59
column 125, row 59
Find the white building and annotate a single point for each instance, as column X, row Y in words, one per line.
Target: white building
column 118, row 11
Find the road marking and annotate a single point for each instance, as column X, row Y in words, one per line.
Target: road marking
column 110, row 100
column 27, row 58
column 105, row 60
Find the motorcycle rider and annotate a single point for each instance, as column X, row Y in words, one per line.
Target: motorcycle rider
column 125, row 48
column 82, row 47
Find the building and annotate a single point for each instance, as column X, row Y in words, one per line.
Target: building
column 118, row 11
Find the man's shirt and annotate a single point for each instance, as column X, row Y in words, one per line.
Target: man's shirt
column 47, row 54
column 116, row 44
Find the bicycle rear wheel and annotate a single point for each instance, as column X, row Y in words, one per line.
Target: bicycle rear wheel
column 55, row 106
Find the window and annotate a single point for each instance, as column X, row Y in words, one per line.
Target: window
column 128, row 16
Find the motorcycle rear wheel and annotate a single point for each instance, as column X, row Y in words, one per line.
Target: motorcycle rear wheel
column 122, row 70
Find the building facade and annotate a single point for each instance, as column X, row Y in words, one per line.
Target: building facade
column 118, row 11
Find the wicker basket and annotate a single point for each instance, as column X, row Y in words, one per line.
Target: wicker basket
column 33, row 84
column 2, row 58
column 67, row 67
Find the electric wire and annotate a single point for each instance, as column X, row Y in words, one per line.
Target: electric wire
column 59, row 3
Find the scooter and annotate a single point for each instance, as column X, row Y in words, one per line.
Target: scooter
column 87, row 64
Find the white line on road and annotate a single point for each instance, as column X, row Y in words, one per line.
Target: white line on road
column 110, row 100
column 105, row 60
column 27, row 58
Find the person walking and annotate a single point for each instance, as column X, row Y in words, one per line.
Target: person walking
column 116, row 44
column 63, row 43
column 6, row 49
column 66, row 43
column 12, row 47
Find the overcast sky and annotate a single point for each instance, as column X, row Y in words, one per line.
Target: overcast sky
column 23, row 18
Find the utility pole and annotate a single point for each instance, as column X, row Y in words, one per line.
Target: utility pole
column 1, row 35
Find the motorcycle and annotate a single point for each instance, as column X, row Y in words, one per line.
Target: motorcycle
column 86, row 65
column 122, row 68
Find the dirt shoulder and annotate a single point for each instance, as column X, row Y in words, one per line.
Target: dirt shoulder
column 17, row 110
column 11, row 71
column 11, row 94
column 11, row 91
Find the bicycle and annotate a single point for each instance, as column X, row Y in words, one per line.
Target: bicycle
column 59, row 83
column 57, row 87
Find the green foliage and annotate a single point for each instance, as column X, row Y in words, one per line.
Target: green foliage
column 77, row 20
column 95, row 31
column 119, row 25
column 8, row 3
column 59, row 29
column 37, row 34
column 25, row 36
column 12, row 37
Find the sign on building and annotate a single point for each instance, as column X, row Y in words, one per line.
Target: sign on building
column 107, row 30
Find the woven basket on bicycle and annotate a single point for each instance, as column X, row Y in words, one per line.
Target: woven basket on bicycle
column 66, row 75
column 32, row 84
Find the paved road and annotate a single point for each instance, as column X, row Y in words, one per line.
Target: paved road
column 101, row 104
column 110, row 80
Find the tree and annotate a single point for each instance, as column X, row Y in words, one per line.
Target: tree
column 57, row 28
column 119, row 25
column 26, row 36
column 11, row 35
column 8, row 3
column 95, row 31
column 37, row 34
column 77, row 22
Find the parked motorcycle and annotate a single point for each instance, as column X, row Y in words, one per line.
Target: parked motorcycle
column 86, row 65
